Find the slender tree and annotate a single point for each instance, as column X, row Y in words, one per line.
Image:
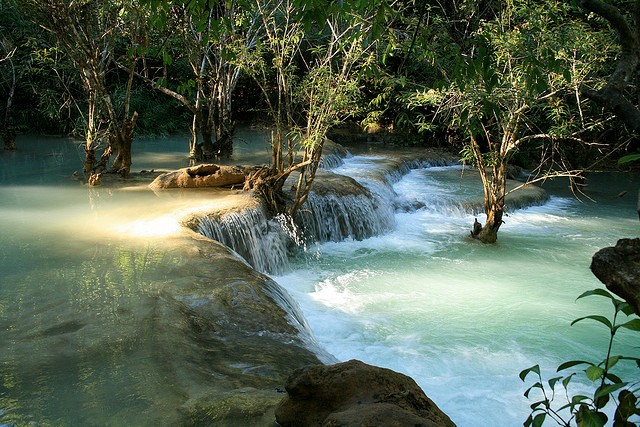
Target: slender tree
column 514, row 87
column 8, row 132
column 207, row 36
column 304, row 108
column 87, row 32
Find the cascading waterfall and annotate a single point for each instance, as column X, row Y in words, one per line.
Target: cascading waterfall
column 366, row 209
column 331, row 219
column 262, row 242
column 296, row 317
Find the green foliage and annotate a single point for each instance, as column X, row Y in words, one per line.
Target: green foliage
column 629, row 159
column 609, row 388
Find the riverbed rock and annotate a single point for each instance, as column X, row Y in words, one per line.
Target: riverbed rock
column 618, row 267
column 205, row 175
column 354, row 394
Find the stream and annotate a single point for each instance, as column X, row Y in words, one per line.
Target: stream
column 461, row 318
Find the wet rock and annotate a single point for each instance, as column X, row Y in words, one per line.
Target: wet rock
column 618, row 268
column 356, row 394
column 206, row 175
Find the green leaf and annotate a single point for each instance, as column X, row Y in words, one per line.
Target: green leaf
column 535, row 405
column 612, row 361
column 608, row 389
column 528, row 422
column 575, row 400
column 626, row 407
column 628, row 159
column 597, row 318
column 539, row 420
column 586, row 417
column 553, row 381
column 571, row 364
column 627, row 309
column 633, row 325
column 601, row 401
column 534, row 368
column 536, row 385
column 613, row 378
column 597, row 291
column 567, row 380
column 594, row 372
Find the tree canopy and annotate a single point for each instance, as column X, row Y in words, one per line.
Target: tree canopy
column 544, row 85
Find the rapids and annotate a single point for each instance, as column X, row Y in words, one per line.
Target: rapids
column 462, row 318
column 399, row 284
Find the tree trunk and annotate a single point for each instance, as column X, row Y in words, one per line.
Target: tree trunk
column 9, row 137
column 494, row 182
column 195, row 151
column 489, row 231
column 8, row 133
column 612, row 96
column 268, row 184
column 307, row 176
column 223, row 125
column 208, row 150
column 123, row 143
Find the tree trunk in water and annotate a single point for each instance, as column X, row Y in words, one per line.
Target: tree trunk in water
column 222, row 124
column 495, row 186
column 489, row 231
column 195, row 150
column 8, row 133
column 208, row 149
column 9, row 137
column 123, row 142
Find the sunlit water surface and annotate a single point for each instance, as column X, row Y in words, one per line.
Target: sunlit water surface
column 463, row 318
column 460, row 317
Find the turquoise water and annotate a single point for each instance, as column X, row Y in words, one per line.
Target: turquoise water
column 460, row 317
column 463, row 318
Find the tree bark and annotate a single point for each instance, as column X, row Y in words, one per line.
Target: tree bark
column 494, row 183
column 612, row 96
column 8, row 133
column 124, row 141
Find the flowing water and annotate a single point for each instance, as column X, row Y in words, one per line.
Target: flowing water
column 421, row 298
column 462, row 318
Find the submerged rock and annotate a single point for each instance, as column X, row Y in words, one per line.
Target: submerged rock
column 618, row 268
column 172, row 332
column 354, row 394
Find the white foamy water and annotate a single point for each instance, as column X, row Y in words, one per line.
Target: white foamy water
column 462, row 318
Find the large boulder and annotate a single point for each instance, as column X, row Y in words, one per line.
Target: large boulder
column 356, row 394
column 206, row 175
column 618, row 268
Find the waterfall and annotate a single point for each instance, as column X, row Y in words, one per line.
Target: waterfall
column 262, row 242
column 265, row 243
column 357, row 202
column 333, row 218
column 296, row 318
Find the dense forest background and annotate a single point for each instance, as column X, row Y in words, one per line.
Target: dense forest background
column 179, row 53
column 549, row 86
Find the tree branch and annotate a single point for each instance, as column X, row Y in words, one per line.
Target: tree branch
column 611, row 96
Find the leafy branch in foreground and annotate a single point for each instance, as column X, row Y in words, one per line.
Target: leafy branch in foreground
column 589, row 410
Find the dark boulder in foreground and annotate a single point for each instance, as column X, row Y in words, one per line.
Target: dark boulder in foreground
column 356, row 394
column 618, row 267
